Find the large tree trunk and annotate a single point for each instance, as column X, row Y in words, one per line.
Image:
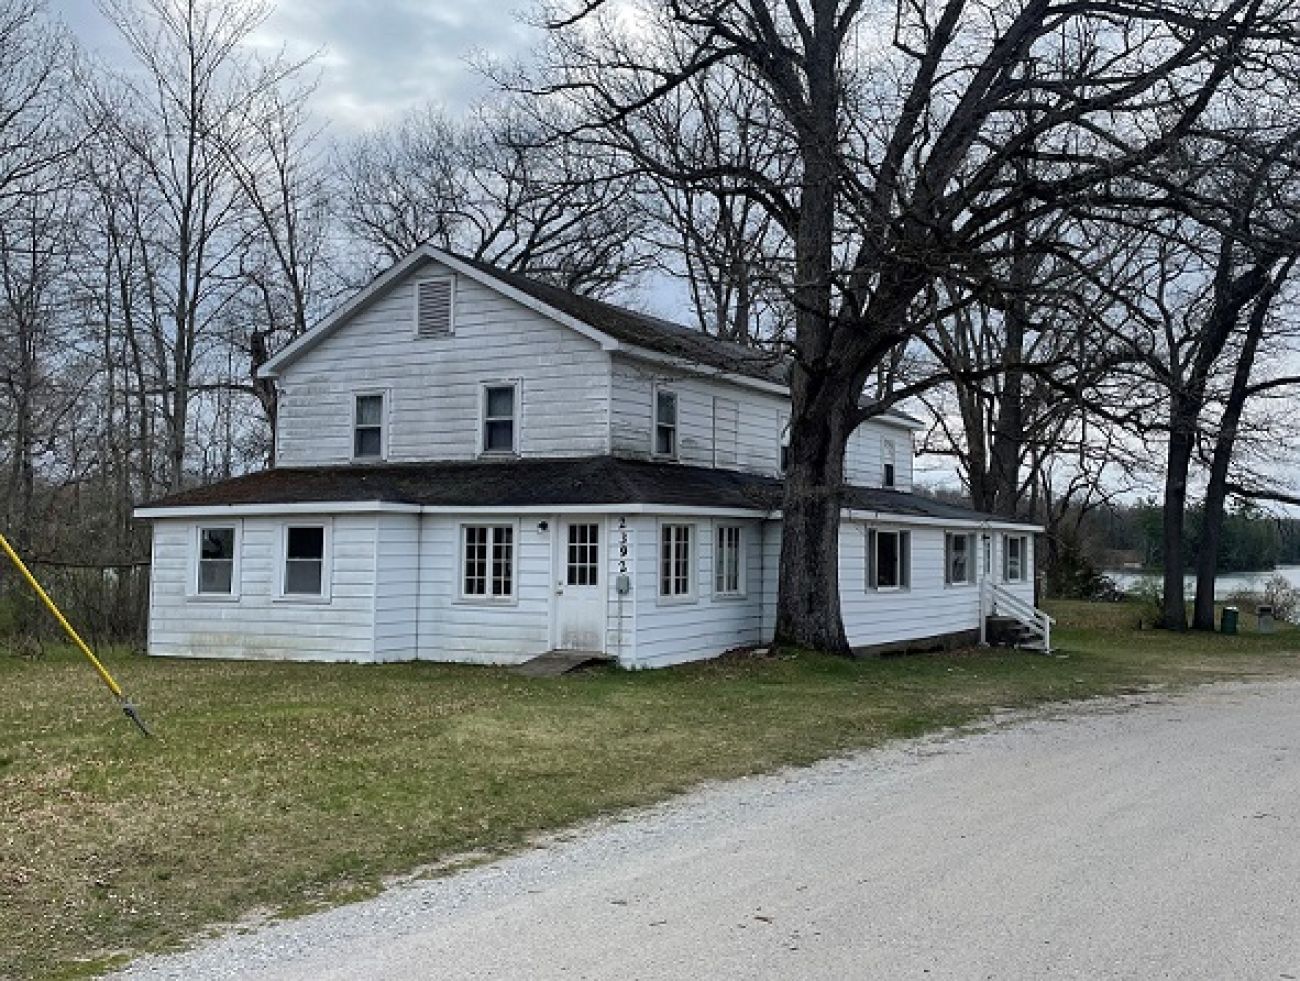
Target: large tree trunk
column 1182, row 438
column 808, row 605
column 1225, row 444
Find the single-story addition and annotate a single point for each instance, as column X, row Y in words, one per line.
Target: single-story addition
column 495, row 561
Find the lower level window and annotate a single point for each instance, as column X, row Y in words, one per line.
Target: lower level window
column 304, row 560
column 727, row 562
column 676, row 576
column 889, row 559
column 959, row 559
column 217, row 561
column 489, row 554
column 1014, row 552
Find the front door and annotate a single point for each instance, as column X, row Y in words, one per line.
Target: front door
column 580, row 598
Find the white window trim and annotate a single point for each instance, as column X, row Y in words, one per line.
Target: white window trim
column 384, row 412
column 192, row 574
column 742, row 560
column 415, row 305
column 1006, row 558
column 326, row 594
column 693, row 594
column 654, row 423
column 888, row 458
column 473, row 599
column 971, row 558
column 518, row 428
column 904, row 565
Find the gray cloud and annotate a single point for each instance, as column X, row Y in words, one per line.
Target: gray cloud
column 377, row 58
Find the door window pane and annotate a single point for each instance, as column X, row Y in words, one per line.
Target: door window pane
column 583, row 560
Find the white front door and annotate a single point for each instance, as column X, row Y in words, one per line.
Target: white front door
column 580, row 587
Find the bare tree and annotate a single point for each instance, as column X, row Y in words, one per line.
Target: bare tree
column 487, row 190
column 901, row 157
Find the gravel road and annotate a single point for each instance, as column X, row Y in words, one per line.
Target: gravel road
column 1147, row 837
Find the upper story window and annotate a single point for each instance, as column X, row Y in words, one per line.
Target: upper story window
column 889, row 559
column 500, row 418
column 1015, row 551
column 435, row 304
column 665, row 435
column 304, row 561
column 368, row 427
column 889, row 473
column 217, row 561
column 959, row 558
column 783, row 447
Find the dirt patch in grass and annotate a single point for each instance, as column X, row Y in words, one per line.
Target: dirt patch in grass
column 285, row 787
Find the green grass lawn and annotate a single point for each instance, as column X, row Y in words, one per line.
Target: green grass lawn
column 275, row 788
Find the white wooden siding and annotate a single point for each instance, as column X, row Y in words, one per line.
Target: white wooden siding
column 434, row 385
column 671, row 632
column 257, row 625
column 756, row 435
column 398, row 579
column 476, row 630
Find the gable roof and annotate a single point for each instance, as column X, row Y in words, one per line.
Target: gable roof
column 610, row 325
column 578, row 481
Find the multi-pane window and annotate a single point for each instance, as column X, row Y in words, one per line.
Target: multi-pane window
column 889, row 559
column 304, row 560
column 489, row 566
column 676, row 575
column 583, row 560
column 1014, row 551
column 959, row 558
column 368, row 428
column 499, row 404
column 665, row 423
column 888, row 468
column 728, row 562
column 217, row 561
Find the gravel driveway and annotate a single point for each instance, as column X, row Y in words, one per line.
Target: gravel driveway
column 1148, row 837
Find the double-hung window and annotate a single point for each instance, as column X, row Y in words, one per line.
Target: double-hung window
column 500, row 418
column 488, row 562
column 889, row 470
column 729, row 561
column 889, row 559
column 1015, row 550
column 665, row 434
column 959, row 558
column 368, row 427
column 217, row 561
column 783, row 447
column 676, row 565
column 304, row 561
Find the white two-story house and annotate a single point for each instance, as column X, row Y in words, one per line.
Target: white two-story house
column 473, row 466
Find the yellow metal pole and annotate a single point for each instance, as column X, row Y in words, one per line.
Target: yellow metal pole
column 113, row 686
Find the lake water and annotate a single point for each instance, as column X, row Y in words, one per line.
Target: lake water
column 1224, row 586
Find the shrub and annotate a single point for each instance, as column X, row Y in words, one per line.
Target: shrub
column 1283, row 597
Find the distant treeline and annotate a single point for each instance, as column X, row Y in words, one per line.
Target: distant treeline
column 1252, row 539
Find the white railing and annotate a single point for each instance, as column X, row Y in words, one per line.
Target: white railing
column 997, row 601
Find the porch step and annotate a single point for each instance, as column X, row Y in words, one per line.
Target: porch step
column 552, row 664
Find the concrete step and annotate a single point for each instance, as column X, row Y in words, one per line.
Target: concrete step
column 552, row 664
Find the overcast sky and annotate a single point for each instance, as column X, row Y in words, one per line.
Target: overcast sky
column 377, row 57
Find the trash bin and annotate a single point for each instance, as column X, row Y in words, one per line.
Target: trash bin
column 1229, row 622
column 1264, row 619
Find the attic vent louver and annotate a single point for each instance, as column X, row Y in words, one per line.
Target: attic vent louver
column 433, row 306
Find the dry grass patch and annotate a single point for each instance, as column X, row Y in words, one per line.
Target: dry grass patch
column 282, row 787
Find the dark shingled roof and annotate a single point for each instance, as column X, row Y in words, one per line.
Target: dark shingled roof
column 643, row 330
column 538, row 483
